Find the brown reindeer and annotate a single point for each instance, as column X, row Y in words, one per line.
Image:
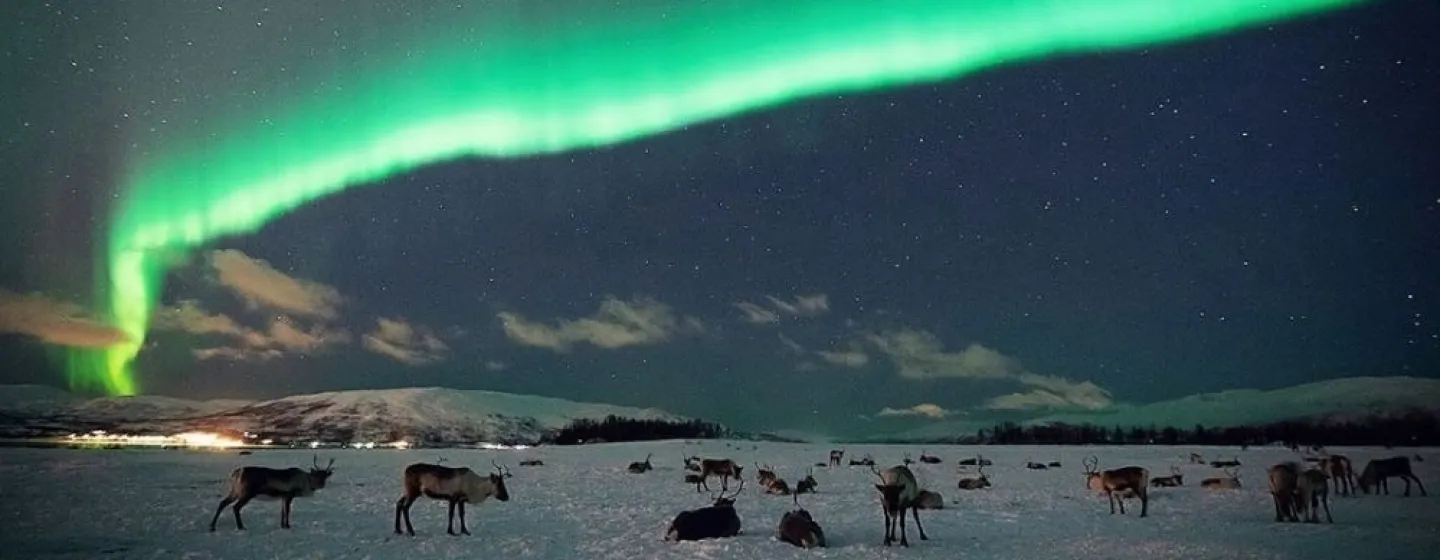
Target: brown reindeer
column 928, row 459
column 1284, row 489
column 1338, row 468
column 1314, row 490
column 898, row 492
column 929, row 500
column 975, row 483
column 1175, row 479
column 696, row 479
column 1379, row 471
column 797, row 527
column 723, row 468
column 1231, row 481
column 248, row 483
column 763, row 475
column 454, row 485
column 1124, row 481
column 836, row 455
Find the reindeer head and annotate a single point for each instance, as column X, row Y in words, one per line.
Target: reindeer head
column 721, row 500
column 498, row 480
column 318, row 476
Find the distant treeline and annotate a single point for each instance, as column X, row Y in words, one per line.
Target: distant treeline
column 615, row 428
column 1417, row 428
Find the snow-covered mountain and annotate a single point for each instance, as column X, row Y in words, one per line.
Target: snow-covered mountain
column 431, row 414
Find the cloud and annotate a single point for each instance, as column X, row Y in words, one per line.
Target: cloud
column 495, row 365
column 803, row 306
column 261, row 285
column 928, row 410
column 55, row 322
column 616, row 324
column 845, row 358
column 282, row 335
column 918, row 354
column 405, row 343
column 791, row 345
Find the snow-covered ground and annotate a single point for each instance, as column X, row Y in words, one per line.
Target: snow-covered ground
column 59, row 503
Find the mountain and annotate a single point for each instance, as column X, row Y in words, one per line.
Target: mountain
column 430, row 414
column 1335, row 400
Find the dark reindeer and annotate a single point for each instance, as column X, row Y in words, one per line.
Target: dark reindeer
column 865, row 461
column 723, row 468
column 928, row 459
column 835, row 456
column 808, row 484
column 638, row 467
column 975, row 483
column 714, row 522
column 1175, row 479
column 797, row 527
column 1379, row 471
column 898, row 492
column 696, row 479
column 1284, row 490
column 1035, row 466
column 1234, row 462
column 454, row 485
column 248, row 483
column 532, row 463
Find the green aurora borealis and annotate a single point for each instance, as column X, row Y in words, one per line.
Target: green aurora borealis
column 583, row 84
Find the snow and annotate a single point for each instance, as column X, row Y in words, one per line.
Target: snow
column 65, row 503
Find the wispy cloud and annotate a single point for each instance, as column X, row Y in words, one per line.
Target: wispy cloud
column 405, row 343
column 845, row 358
column 926, row 410
column 55, row 322
column 918, row 354
column 280, row 337
column 802, row 306
column 616, row 324
column 260, row 284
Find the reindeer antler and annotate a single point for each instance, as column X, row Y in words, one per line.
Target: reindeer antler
column 502, row 471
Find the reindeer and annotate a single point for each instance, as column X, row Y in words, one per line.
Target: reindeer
column 1284, row 486
column 1225, row 464
column 639, row 467
column 723, row 468
column 1035, row 466
column 975, row 483
column 976, row 461
column 1054, row 464
column 763, row 475
column 1175, row 479
column 797, row 527
column 532, row 463
column 1378, row 472
column 248, row 483
column 907, row 460
column 717, row 521
column 898, row 492
column 1231, row 481
column 928, row 459
column 1338, row 467
column 778, row 487
column 691, row 463
column 808, row 484
column 1314, row 492
column 929, row 500
column 1196, row 459
column 835, row 456
column 456, row 486
column 696, row 479
column 865, row 461
column 1125, row 480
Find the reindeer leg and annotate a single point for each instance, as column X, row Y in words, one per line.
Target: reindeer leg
column 915, row 512
column 399, row 506
column 905, row 542
column 889, row 535
column 409, row 529
column 1326, row 502
column 1144, row 502
column 450, row 519
column 463, row 528
column 1111, row 496
column 240, row 503
column 1420, row 484
column 285, row 512
column 223, row 502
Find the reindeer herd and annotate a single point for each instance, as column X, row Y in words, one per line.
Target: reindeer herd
column 1297, row 490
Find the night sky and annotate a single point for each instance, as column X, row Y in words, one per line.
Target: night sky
column 1251, row 210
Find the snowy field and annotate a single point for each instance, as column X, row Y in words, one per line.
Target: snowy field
column 61, row 503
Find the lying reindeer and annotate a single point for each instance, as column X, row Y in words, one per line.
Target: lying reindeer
column 1338, row 467
column 835, row 456
column 808, row 484
column 1314, row 490
column 638, row 467
column 1035, row 466
column 723, row 468
column 532, row 463
column 1378, row 472
column 1175, row 479
column 975, row 483
column 797, row 527
column 1225, row 464
column 714, row 522
column 778, row 487
column 1126, row 481
column 928, row 459
column 248, row 483
column 929, row 500
column 1054, row 464
column 898, row 492
column 1284, row 489
column 454, row 485
column 763, row 475
column 865, row 461
column 1231, row 481
column 976, row 461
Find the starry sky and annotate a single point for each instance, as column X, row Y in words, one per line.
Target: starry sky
column 1251, row 210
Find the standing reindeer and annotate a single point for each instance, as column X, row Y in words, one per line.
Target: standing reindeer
column 1379, row 471
column 638, row 467
column 835, row 456
column 723, row 468
column 1314, row 492
column 248, row 483
column 716, row 521
column 898, row 492
column 454, row 485
column 1284, row 487
column 1124, row 480
column 1338, row 467
column 797, row 527
column 1231, row 481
